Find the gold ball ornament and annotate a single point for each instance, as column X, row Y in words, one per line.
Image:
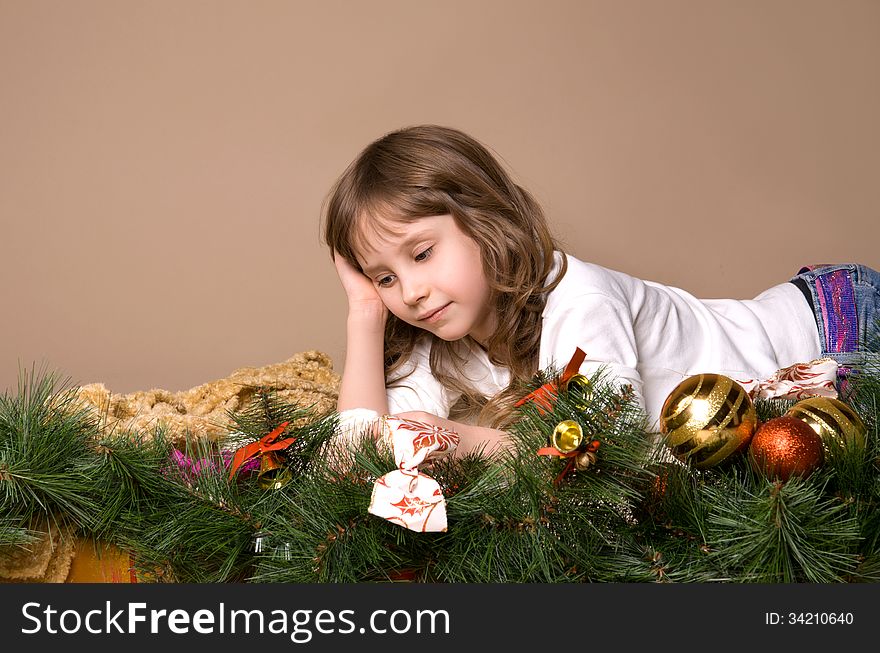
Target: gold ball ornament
column 707, row 419
column 785, row 446
column 834, row 421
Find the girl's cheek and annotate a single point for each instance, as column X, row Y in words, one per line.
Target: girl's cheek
column 392, row 307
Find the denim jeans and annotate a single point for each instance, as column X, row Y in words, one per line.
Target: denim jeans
column 846, row 304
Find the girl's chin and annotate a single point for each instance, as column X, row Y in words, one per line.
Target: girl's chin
column 448, row 334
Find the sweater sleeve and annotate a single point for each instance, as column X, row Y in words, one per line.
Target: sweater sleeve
column 601, row 326
column 414, row 387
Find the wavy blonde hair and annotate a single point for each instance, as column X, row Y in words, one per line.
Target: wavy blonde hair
column 429, row 170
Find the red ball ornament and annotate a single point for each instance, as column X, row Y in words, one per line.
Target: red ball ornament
column 783, row 447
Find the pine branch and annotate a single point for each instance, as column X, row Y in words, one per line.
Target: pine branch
column 323, row 532
column 45, row 435
column 128, row 479
column 196, row 525
column 13, row 533
column 781, row 532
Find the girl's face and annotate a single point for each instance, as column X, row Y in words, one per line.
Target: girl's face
column 429, row 273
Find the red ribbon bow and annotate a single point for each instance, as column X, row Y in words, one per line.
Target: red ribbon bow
column 592, row 447
column 546, row 394
column 263, row 445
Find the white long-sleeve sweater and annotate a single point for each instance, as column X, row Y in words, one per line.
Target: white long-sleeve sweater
column 646, row 334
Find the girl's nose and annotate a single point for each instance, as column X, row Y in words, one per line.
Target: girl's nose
column 414, row 290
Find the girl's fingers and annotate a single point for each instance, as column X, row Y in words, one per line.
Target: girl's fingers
column 358, row 287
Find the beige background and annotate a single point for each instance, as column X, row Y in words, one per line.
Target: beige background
column 163, row 163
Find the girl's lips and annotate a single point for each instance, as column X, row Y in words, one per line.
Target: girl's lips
column 435, row 315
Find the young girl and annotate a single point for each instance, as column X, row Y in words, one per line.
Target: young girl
column 458, row 294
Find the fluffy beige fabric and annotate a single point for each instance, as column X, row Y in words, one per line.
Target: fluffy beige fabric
column 306, row 379
column 46, row 560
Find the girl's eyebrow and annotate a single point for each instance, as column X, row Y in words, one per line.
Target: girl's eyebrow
column 407, row 242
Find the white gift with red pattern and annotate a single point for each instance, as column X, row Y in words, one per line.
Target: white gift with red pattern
column 814, row 379
column 406, row 496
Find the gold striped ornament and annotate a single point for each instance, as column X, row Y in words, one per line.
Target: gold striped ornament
column 836, row 423
column 707, row 418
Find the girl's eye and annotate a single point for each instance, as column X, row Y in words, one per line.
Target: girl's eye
column 384, row 282
column 425, row 254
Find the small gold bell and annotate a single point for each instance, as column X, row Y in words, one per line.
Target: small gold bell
column 567, row 436
column 584, row 460
column 274, row 474
column 579, row 390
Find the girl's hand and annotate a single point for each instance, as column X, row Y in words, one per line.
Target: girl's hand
column 358, row 287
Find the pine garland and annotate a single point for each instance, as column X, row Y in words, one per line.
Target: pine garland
column 635, row 514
